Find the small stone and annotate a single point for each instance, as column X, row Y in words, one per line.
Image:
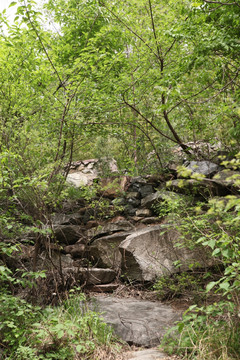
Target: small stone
column 150, row 220
column 134, row 202
column 144, row 212
column 133, row 195
column 146, row 190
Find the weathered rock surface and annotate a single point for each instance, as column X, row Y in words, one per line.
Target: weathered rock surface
column 206, row 168
column 67, row 219
column 91, row 276
column 79, row 179
column 83, row 172
column 76, row 250
column 143, row 213
column 228, row 178
column 148, row 354
column 109, row 228
column 150, row 253
column 67, row 234
column 138, row 322
column 159, row 196
column 205, row 188
column 106, row 252
column 57, row 260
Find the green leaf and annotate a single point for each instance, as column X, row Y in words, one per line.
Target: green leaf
column 13, row 3
column 80, row 348
column 210, row 286
column 216, row 251
column 225, row 285
column 60, row 334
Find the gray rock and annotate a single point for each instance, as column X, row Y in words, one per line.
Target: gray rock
column 57, row 261
column 228, row 178
column 138, row 322
column 134, row 202
column 79, row 179
column 148, row 354
column 133, row 195
column 83, row 172
column 70, row 219
column 146, row 190
column 143, row 212
column 206, row 168
column 67, row 234
column 90, row 276
column 106, row 252
column 205, row 188
column 129, row 210
column 150, row 253
column 158, row 196
column 109, row 228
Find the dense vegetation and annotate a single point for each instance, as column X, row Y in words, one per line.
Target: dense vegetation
column 123, row 79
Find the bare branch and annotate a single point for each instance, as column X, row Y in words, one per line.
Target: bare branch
column 43, row 46
column 154, row 31
column 190, row 97
column 148, row 121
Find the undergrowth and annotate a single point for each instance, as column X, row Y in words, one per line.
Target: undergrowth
column 210, row 331
column 70, row 331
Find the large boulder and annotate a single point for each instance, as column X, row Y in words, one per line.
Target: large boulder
column 150, row 253
column 55, row 261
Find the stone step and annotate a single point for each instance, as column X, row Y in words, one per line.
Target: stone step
column 104, row 288
column 148, row 354
column 138, row 322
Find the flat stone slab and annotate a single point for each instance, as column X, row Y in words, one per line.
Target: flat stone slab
column 148, row 354
column 138, row 322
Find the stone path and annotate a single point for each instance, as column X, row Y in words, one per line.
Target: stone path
column 138, row 322
column 148, row 354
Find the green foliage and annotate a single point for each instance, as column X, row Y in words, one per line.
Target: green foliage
column 65, row 332
column 172, row 204
column 69, row 330
column 212, row 331
column 96, row 198
column 179, row 285
column 16, row 318
column 124, row 79
column 209, row 332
